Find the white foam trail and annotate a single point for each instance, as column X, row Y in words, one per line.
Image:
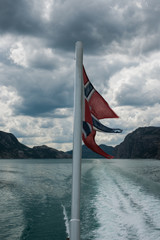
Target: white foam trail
column 66, row 220
column 124, row 210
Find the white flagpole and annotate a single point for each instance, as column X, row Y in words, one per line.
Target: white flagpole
column 77, row 145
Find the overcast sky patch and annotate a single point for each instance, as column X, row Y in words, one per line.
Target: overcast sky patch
column 121, row 56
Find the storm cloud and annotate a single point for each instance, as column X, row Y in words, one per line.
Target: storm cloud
column 121, row 55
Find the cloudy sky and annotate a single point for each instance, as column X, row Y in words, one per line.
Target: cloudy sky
column 121, row 41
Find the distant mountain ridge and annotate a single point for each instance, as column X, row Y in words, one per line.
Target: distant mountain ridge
column 11, row 148
column 87, row 153
column 144, row 142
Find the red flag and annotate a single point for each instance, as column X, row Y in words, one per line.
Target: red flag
column 98, row 106
column 95, row 107
column 89, row 133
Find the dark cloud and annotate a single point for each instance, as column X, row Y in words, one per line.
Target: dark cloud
column 137, row 95
column 96, row 24
column 19, row 16
column 41, row 101
column 111, row 22
column 121, row 55
column 42, row 63
column 96, row 29
column 40, row 92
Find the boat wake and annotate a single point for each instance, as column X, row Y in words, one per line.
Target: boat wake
column 66, row 220
column 124, row 209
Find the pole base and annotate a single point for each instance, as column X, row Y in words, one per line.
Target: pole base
column 75, row 229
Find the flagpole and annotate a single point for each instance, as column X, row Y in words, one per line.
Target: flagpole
column 77, row 145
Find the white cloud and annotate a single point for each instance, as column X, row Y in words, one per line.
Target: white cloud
column 130, row 119
column 121, row 56
column 31, row 53
column 5, row 42
column 47, row 8
column 8, row 98
column 18, row 54
column 137, row 85
column 40, row 131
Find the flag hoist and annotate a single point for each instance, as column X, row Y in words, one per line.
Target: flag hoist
column 89, row 107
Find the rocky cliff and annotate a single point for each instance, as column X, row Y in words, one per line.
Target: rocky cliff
column 10, row 148
column 144, row 142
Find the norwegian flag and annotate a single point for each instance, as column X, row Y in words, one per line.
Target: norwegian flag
column 95, row 108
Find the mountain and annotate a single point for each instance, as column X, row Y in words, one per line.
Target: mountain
column 48, row 152
column 87, row 153
column 144, row 142
column 10, row 148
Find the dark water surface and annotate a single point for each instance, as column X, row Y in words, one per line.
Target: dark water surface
column 120, row 199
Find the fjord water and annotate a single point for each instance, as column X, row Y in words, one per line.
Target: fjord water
column 120, row 199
